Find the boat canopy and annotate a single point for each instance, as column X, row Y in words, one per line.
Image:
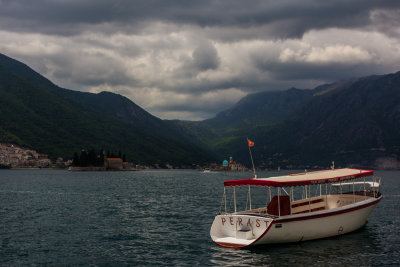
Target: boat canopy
column 304, row 178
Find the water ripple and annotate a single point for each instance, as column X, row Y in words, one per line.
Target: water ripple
column 160, row 218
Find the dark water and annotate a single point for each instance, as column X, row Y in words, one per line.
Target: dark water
column 163, row 218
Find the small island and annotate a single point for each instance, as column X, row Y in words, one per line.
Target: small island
column 91, row 161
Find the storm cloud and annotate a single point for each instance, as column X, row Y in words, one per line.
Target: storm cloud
column 191, row 59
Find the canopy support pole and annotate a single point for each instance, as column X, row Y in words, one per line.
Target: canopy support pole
column 291, row 199
column 225, row 197
column 234, row 197
column 373, row 188
column 279, row 204
column 250, row 197
column 309, row 198
column 270, row 197
column 326, row 196
column 365, row 190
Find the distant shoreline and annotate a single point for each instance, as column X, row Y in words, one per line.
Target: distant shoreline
column 97, row 169
column 103, row 169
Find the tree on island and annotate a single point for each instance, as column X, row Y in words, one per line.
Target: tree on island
column 83, row 159
column 76, row 160
column 101, row 158
column 91, row 158
column 88, row 158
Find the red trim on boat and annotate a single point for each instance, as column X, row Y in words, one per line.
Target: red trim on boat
column 230, row 245
column 263, row 182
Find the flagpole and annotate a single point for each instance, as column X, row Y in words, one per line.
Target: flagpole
column 252, row 162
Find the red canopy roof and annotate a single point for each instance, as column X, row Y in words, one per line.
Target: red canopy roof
column 306, row 178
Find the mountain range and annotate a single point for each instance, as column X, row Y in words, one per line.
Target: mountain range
column 36, row 113
column 354, row 122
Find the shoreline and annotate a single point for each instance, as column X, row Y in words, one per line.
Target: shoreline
column 135, row 169
column 96, row 169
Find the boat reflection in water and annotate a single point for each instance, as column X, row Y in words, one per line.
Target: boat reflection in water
column 301, row 206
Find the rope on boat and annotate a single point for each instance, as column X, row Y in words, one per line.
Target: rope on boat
column 230, row 202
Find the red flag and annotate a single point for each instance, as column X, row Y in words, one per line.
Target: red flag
column 251, row 143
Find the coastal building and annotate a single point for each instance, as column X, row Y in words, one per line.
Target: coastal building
column 232, row 165
column 236, row 166
column 15, row 156
column 115, row 164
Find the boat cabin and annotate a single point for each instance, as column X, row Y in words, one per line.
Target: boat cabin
column 302, row 192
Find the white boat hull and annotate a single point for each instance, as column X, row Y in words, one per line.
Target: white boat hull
column 241, row 230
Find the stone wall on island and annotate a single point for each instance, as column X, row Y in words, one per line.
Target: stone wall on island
column 91, row 168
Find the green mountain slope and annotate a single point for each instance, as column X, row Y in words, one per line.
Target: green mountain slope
column 36, row 113
column 226, row 133
column 355, row 121
column 127, row 111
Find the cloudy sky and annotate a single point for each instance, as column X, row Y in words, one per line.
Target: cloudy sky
column 191, row 59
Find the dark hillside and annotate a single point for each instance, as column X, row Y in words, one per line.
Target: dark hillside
column 36, row 113
column 354, row 122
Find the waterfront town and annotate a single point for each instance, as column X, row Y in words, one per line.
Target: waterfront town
column 13, row 156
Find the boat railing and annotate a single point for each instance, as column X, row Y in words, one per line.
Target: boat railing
column 367, row 193
column 366, row 188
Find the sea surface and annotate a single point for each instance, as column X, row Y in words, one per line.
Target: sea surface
column 161, row 218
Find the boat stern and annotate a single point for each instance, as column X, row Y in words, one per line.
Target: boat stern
column 237, row 230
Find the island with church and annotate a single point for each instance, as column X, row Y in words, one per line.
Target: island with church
column 103, row 161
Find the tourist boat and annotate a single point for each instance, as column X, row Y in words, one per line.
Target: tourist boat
column 299, row 207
